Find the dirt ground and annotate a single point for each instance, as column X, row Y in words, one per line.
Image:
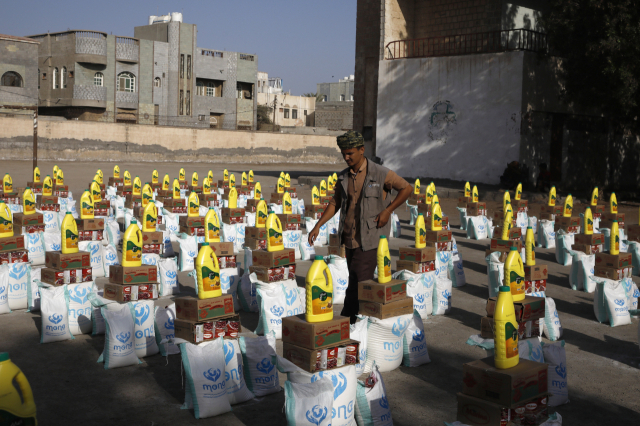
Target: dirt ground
column 71, row 388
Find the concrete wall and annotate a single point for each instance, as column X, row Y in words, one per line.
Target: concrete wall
column 86, row 141
column 333, row 91
column 451, row 117
column 22, row 58
column 335, row 115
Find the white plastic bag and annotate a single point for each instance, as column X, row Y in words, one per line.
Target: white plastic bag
column 119, row 341
column 442, row 264
column 80, row 309
column 359, row 331
column 112, row 233
column 55, row 314
column 385, row 342
column 495, row 272
column 188, row 252
column 272, row 304
column 237, row 390
column 247, row 293
column 35, row 244
column 260, row 375
column 463, row 218
column 564, row 242
column 238, row 245
column 340, row 275
column 165, row 329
column 228, row 233
column 33, row 291
column 634, row 249
column 19, row 274
column 552, row 326
column 616, row 304
column 546, row 234
column 477, row 227
column 4, row 289
column 291, row 240
column 168, row 270
column 307, row 252
column 145, row 332
column 396, row 229
column 556, row 357
column 530, row 349
column 51, row 222
column 109, row 257
column 442, row 296
column 414, row 345
column 309, row 403
column 372, row 406
column 229, row 280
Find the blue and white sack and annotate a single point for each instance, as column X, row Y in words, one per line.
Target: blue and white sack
column 291, row 240
column 95, row 249
column 564, row 242
column 309, row 403
column 416, row 289
column 237, row 390
column 610, row 302
column 33, row 290
column 4, row 289
column 372, row 406
column 396, row 229
column 495, row 272
column 456, row 271
column 360, row 332
column 80, row 309
column 145, row 331
column 54, row 310
column 634, row 249
column 442, row 296
column 552, row 326
column 477, row 227
column 260, row 375
column 247, row 293
column 165, row 329
column 272, row 304
column 109, row 257
column 414, row 346
column 19, row 276
column 307, row 252
column 385, row 342
column 463, row 218
column 119, row 342
column 546, row 234
column 188, row 252
column 35, row 245
column 52, row 241
column 168, row 271
column 229, row 281
column 530, row 349
column 340, row 276
column 556, row 357
column 442, row 264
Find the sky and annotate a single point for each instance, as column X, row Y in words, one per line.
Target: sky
column 304, row 42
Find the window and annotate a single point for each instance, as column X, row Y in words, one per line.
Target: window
column 38, row 78
column 324, row 98
column 239, row 90
column 341, row 98
column 55, row 78
column 44, row 75
column 157, row 82
column 189, row 67
column 63, row 78
column 126, row 82
column 305, row 112
column 244, row 90
column 11, row 79
column 182, row 102
column 206, row 87
column 286, row 113
column 351, row 98
column 188, row 102
column 294, row 114
column 98, row 79
column 181, row 66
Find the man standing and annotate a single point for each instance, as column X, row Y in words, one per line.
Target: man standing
column 362, row 196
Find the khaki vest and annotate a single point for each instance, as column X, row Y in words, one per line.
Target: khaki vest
column 371, row 204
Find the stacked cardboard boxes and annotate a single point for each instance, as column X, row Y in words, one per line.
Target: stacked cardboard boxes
column 529, row 312
column 90, row 229
column 417, row 260
column 273, row 266
column 67, row 268
column 613, row 266
column 203, row 320
column 231, row 216
column 335, row 247
column 384, row 301
column 30, row 223
column 589, row 244
column 131, row 283
column 48, row 203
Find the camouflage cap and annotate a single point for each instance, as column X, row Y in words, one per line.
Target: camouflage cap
column 349, row 140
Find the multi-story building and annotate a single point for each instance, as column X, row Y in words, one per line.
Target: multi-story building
column 18, row 72
column 159, row 76
column 342, row 91
column 271, row 85
column 291, row 111
column 335, row 107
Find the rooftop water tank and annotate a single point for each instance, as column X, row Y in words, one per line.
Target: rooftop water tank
column 162, row 19
column 176, row 17
column 151, row 19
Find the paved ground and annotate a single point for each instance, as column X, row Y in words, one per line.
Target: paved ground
column 71, row 388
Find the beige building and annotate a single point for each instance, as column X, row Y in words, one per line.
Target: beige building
column 291, row 111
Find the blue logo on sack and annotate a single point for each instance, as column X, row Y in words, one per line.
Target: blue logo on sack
column 342, row 282
column 419, row 298
column 212, row 374
column 399, row 327
column 123, row 337
column 428, row 280
column 111, row 257
column 446, row 294
column 169, row 324
column 418, row 336
column 94, row 249
column 561, row 370
column 79, row 296
column 339, row 382
column 142, row 313
column 18, row 270
column 265, row 366
column 48, row 217
column 34, row 239
column 536, row 355
column 55, row 318
column 384, row 403
column 317, row 415
column 55, row 247
column 191, row 254
column 229, row 351
column 294, row 237
column 292, row 296
column 241, row 230
column 277, row 310
column 171, row 274
column 619, row 302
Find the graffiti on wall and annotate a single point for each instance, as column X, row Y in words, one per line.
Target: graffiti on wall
column 442, row 121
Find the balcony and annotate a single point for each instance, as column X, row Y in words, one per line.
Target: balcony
column 468, row 44
column 90, row 93
column 127, row 49
column 127, row 99
column 91, row 47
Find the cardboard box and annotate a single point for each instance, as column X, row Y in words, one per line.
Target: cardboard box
column 317, row 209
column 59, row 260
column 133, row 292
column 535, row 286
column 271, row 259
column 416, row 267
column 191, row 222
column 270, row 275
column 622, row 260
column 133, row 198
column 290, row 218
column 529, row 309
column 113, row 180
column 554, row 210
column 221, row 249
column 567, row 229
column 445, row 223
column 587, row 249
column 481, row 379
column 515, row 233
column 477, row 209
column 177, row 202
column 152, row 238
column 535, row 273
column 194, row 309
column 610, row 217
column 313, row 335
column 12, row 243
column 334, row 240
column 463, row 201
column 177, row 210
column 413, row 254
column 204, row 331
column 616, row 274
column 521, row 206
column 255, row 244
column 119, row 274
column 59, row 277
column 633, row 233
column 308, row 359
column 567, row 221
column 477, row 412
column 338, row 251
column 439, row 236
column 526, row 329
column 547, row 216
column 232, row 212
column 388, row 310
column 257, row 233
column 90, row 224
column 609, row 224
column 373, row 291
column 252, row 204
column 498, row 218
column 223, row 184
column 20, row 220
column 504, row 245
column 590, row 240
column 48, row 199
column 440, row 246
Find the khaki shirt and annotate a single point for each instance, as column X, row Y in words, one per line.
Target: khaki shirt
column 351, row 230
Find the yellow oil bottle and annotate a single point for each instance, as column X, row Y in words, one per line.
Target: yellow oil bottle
column 287, row 204
column 614, row 240
column 436, row 216
column 506, row 199
column 69, row 234
column 505, row 331
column 182, row 175
column 116, row 171
column 275, row 241
column 150, row 218
column 282, row 175
column 280, row 187
column 421, row 232
column 232, row 180
column 429, row 194
column 147, row 194
column 335, row 178
column 96, row 177
column 594, row 197
column 330, row 183
column 467, row 189
column 250, row 177
column 233, row 198
column 507, row 224
column 319, row 292
column 101, row 175
column 47, row 186
column 518, row 195
column 613, row 203
column 568, row 206
column 474, row 194
column 287, row 180
column 6, row 221
column 55, row 171
column 225, row 175
column 154, row 176
column 514, row 274
column 323, row 188
column 60, row 178
column 212, row 226
column 36, row 174
column 17, row 406
column 315, row 196
column 257, row 191
column 28, row 202
column 552, row 196
column 434, row 200
column 86, row 203
column 206, row 186
column 132, row 245
column 7, row 184
column 530, row 247
column 194, row 205
column 207, row 273
column 194, row 179
column 245, row 182
column 384, row 260
column 127, row 178
column 175, row 193
column 96, row 192
column 210, row 176
column 137, row 186
column 165, row 182
column 588, row 222
column 416, row 186
column 261, row 214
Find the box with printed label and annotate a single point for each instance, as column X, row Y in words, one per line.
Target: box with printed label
column 554, row 210
column 616, row 274
column 90, row 224
column 20, row 219
column 133, row 198
column 528, row 309
column 477, row 412
column 567, row 229
column 521, row 206
column 413, row 254
column 504, row 245
column 255, row 244
column 498, row 218
column 373, row 291
column 313, row 335
column 416, row 267
column 311, row 360
column 290, row 218
column 463, row 201
column 440, row 246
column 589, row 240
column 194, row 309
column 567, row 221
column 445, row 224
column 191, row 222
column 59, row 260
column 334, row 240
column 607, row 260
column 535, row 286
column 223, row 184
column 176, row 210
column 228, row 212
column 48, row 199
column 279, row 273
column 337, row 251
column 11, row 243
column 515, row 233
column 610, row 217
column 481, row 379
column 587, row 249
column 271, row 259
column 526, row 329
column 535, row 272
column 415, row 199
column 232, row 220
column 220, row 249
column 388, row 310
column 174, row 202
column 152, row 238
column 227, row 326
column 477, row 209
column 257, row 233
column 59, row 277
column 119, row 274
column 442, row 236
column 128, row 293
column 252, row 204
column 633, row 233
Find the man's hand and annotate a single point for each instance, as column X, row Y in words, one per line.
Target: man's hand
column 383, row 218
column 313, row 235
